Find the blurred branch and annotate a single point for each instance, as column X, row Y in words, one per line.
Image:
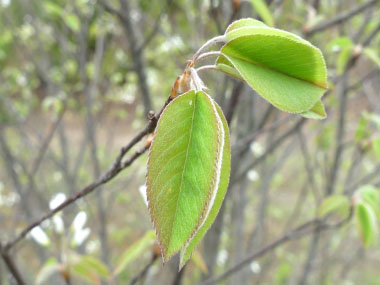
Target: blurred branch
column 142, row 274
column 155, row 28
column 301, row 231
column 344, row 16
column 342, row 92
column 135, row 51
column 11, row 266
column 116, row 168
column 270, row 149
column 46, row 142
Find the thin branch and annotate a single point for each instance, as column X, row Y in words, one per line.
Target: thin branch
column 207, row 67
column 155, row 28
column 209, row 54
column 135, row 52
column 344, row 16
column 11, row 266
column 299, row 232
column 270, row 149
column 116, row 168
column 208, row 44
column 145, row 270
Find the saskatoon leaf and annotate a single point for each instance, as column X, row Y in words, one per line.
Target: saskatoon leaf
column 342, row 59
column 317, row 112
column 224, row 179
column 376, row 147
column 262, row 9
column 48, row 269
column 286, row 70
column 247, row 22
column 334, row 203
column 184, row 169
column 367, row 224
column 133, row 252
column 371, row 195
column 372, row 54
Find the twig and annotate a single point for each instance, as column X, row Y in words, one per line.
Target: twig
column 342, row 113
column 142, row 274
column 117, row 166
column 299, row 232
column 11, row 266
column 136, row 53
column 155, row 28
column 207, row 67
column 236, row 93
column 270, row 149
column 340, row 18
column 209, row 43
column 209, row 54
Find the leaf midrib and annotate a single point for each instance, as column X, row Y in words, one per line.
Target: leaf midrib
column 317, row 84
column 184, row 167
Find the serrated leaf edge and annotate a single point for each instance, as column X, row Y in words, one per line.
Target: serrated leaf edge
column 183, row 250
column 320, row 85
column 212, row 194
column 242, row 19
column 206, row 208
column 146, row 177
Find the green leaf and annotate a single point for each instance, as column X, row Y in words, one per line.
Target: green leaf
column 90, row 269
column 53, row 9
column 50, row 267
column 134, row 251
column 224, row 179
column 317, row 112
column 372, row 55
column 362, row 132
column 366, row 223
column 199, row 261
column 334, row 203
column 342, row 59
column 286, row 70
column 72, row 21
column 339, row 43
column 371, row 195
column 262, row 9
column 184, row 169
column 246, row 22
column 376, row 147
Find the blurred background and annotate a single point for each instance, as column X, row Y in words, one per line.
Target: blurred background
column 77, row 80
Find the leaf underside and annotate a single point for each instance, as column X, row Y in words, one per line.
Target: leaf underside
column 184, row 168
column 283, row 68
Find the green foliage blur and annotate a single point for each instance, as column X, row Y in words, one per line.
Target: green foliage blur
column 71, row 97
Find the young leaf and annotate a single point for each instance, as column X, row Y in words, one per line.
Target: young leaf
column 376, row 147
column 362, row 131
column 48, row 269
column 334, row 203
column 286, row 70
column 90, row 269
column 134, row 251
column 199, row 261
column 246, row 22
column 342, row 59
column 367, row 224
column 224, row 179
column 372, row 55
column 317, row 112
column 371, row 195
column 184, row 169
column 262, row 9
